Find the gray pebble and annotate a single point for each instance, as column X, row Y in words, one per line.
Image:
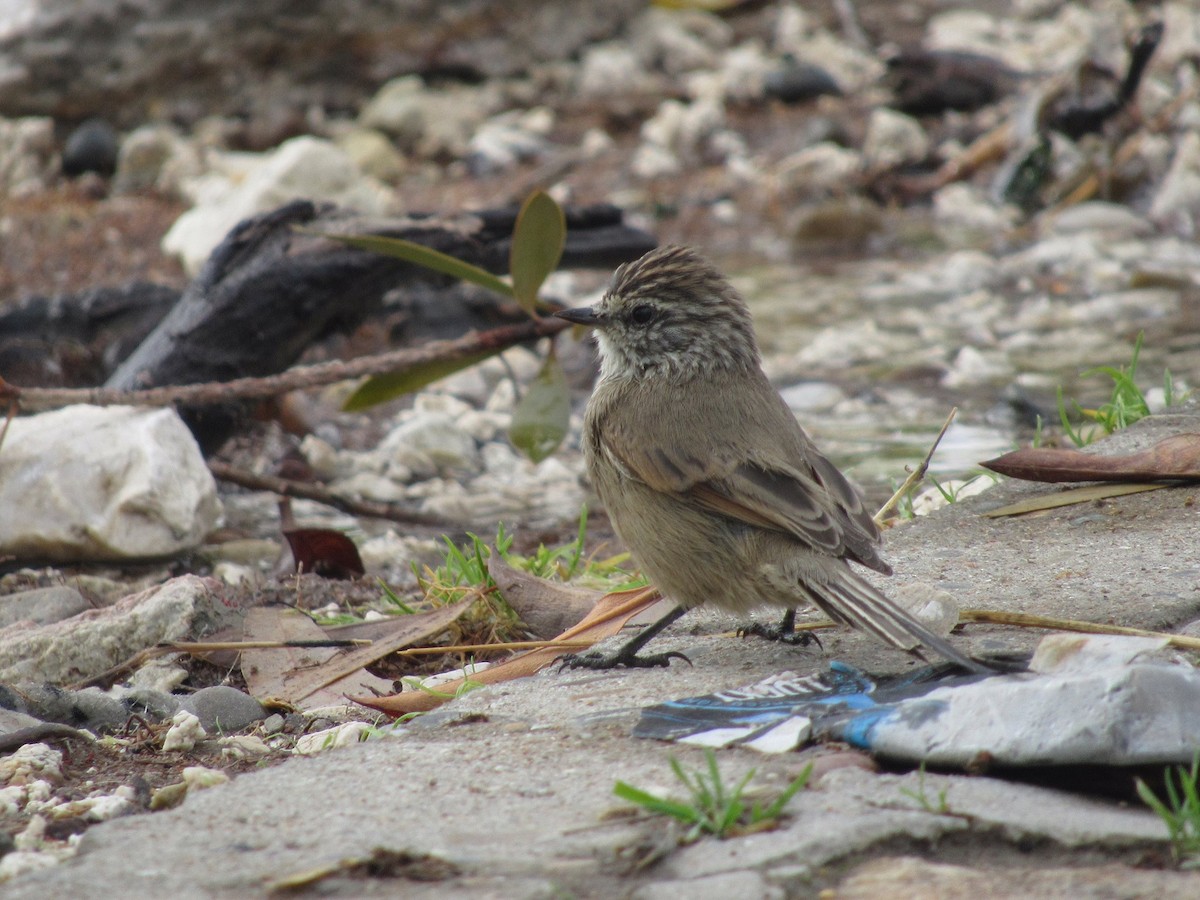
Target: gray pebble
column 41, row 605
column 222, row 709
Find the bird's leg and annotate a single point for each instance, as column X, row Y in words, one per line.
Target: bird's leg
column 785, row 631
column 627, row 655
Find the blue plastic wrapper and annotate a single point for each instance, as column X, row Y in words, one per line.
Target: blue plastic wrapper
column 1085, row 700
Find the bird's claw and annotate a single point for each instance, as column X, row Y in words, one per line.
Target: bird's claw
column 775, row 633
column 599, row 662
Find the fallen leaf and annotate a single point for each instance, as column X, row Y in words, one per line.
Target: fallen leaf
column 607, row 617
column 310, row 677
column 324, row 552
column 546, row 607
column 1176, row 458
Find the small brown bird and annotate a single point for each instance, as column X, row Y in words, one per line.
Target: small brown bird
column 705, row 472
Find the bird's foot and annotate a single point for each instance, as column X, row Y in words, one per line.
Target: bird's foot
column 601, row 661
column 777, row 633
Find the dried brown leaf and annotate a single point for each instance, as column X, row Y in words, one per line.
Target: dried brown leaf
column 546, row 607
column 309, row 677
column 1176, row 458
column 607, row 617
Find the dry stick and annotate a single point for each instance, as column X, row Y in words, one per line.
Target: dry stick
column 1024, row 620
column 109, row 676
column 915, row 477
column 32, row 399
column 504, row 645
column 308, row 491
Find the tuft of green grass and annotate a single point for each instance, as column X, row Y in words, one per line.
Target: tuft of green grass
column 1126, row 403
column 712, row 807
column 921, row 795
column 1180, row 811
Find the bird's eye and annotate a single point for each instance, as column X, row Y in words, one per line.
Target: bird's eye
column 641, row 315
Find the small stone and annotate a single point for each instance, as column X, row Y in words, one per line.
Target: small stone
column 41, row 605
column 223, row 709
column 198, row 778
column 156, row 157
column 28, row 155
column 185, row 732
column 155, row 705
column 374, row 154
column 817, row 171
column 91, row 147
column 798, row 83
column 337, row 736
column 894, row 138
column 97, row 711
column 438, row 437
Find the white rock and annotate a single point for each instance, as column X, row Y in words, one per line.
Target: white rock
column 397, row 108
column 818, row 170
column 1177, row 201
column 185, row 732
column 200, row 777
column 103, row 483
column 98, row 639
column 320, row 455
column 156, row 157
column 851, row 68
column 679, row 134
column 243, row 746
column 13, row 799
column 677, row 41
column 1113, row 219
column 961, row 207
column 28, row 155
column 893, row 138
column 509, row 138
column 429, row 122
column 303, row 167
column 93, row 809
column 932, row 498
column 23, row 862
column 338, row 736
column 373, row 486
column 373, row 153
column 31, row 762
column 612, row 69
column 972, row 367
column 436, row 435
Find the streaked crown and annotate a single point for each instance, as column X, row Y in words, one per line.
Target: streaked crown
column 672, row 311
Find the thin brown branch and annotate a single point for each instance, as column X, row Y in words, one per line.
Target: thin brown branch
column 36, row 399
column 917, row 475
column 1025, row 620
column 308, row 491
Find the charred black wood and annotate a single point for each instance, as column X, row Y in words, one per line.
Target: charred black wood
column 273, row 287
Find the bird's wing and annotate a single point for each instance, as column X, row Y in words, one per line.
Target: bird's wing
column 806, row 497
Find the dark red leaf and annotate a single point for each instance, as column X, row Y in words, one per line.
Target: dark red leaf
column 324, row 552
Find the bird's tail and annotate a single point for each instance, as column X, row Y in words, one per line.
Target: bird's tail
column 852, row 601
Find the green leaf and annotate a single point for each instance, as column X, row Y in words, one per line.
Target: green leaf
column 541, row 419
column 381, row 388
column 537, row 246
column 651, row 803
column 427, row 257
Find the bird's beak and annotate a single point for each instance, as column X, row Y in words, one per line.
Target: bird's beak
column 583, row 315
